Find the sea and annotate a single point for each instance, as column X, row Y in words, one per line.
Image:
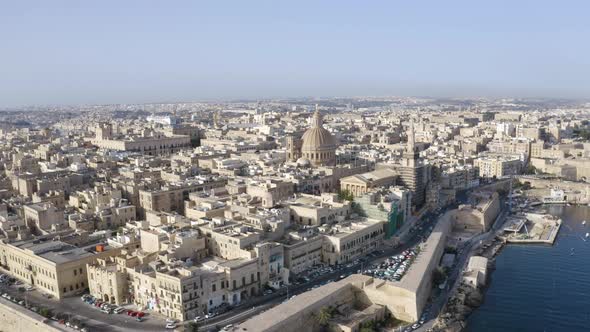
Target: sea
column 540, row 288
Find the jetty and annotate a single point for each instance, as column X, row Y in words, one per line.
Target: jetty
column 533, row 228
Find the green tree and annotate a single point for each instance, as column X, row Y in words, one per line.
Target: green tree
column 438, row 275
column 323, row 316
column 345, row 195
column 531, row 170
column 45, row 312
column 192, row 327
column 368, row 326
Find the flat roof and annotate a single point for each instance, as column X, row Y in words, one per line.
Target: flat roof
column 54, row 251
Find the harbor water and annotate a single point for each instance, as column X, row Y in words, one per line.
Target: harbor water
column 541, row 287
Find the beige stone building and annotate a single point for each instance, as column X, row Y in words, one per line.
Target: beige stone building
column 360, row 184
column 479, row 217
column 318, row 210
column 271, row 191
column 171, row 197
column 348, row 241
column 317, row 145
column 498, row 166
column 44, row 217
column 149, row 142
column 302, row 251
column 55, row 267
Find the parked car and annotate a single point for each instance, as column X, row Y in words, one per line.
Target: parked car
column 170, row 325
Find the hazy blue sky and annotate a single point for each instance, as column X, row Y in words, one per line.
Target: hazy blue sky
column 69, row 52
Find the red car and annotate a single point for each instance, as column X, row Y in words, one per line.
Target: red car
column 134, row 314
column 140, row 314
column 130, row 312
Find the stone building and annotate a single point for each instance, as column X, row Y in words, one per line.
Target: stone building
column 317, row 145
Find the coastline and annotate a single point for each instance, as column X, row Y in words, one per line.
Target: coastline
column 465, row 299
column 493, row 251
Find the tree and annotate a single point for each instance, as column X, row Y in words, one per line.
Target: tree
column 192, row 327
column 45, row 312
column 531, row 170
column 345, row 195
column 323, row 316
column 438, row 275
column 368, row 326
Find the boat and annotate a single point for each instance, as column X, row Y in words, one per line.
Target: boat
column 584, row 222
column 587, row 234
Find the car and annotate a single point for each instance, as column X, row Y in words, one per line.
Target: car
column 140, row 314
column 170, row 321
column 415, row 326
column 199, row 319
column 134, row 314
column 119, row 310
column 170, row 325
column 21, row 302
column 130, row 312
column 228, row 327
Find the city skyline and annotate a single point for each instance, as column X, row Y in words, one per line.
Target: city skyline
column 108, row 53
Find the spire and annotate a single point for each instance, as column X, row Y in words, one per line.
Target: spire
column 411, row 138
column 316, row 120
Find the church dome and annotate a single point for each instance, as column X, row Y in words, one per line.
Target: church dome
column 317, row 139
column 318, row 144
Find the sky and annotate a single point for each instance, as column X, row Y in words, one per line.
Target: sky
column 101, row 52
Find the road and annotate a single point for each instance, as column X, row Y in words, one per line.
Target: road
column 464, row 253
column 259, row 304
column 94, row 319
column 98, row 321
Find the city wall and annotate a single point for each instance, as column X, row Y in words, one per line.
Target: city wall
column 14, row 318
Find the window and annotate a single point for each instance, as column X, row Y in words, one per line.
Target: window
column 213, row 287
column 71, row 288
column 65, row 290
column 75, row 272
column 80, row 270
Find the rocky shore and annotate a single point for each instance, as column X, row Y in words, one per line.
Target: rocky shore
column 468, row 297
